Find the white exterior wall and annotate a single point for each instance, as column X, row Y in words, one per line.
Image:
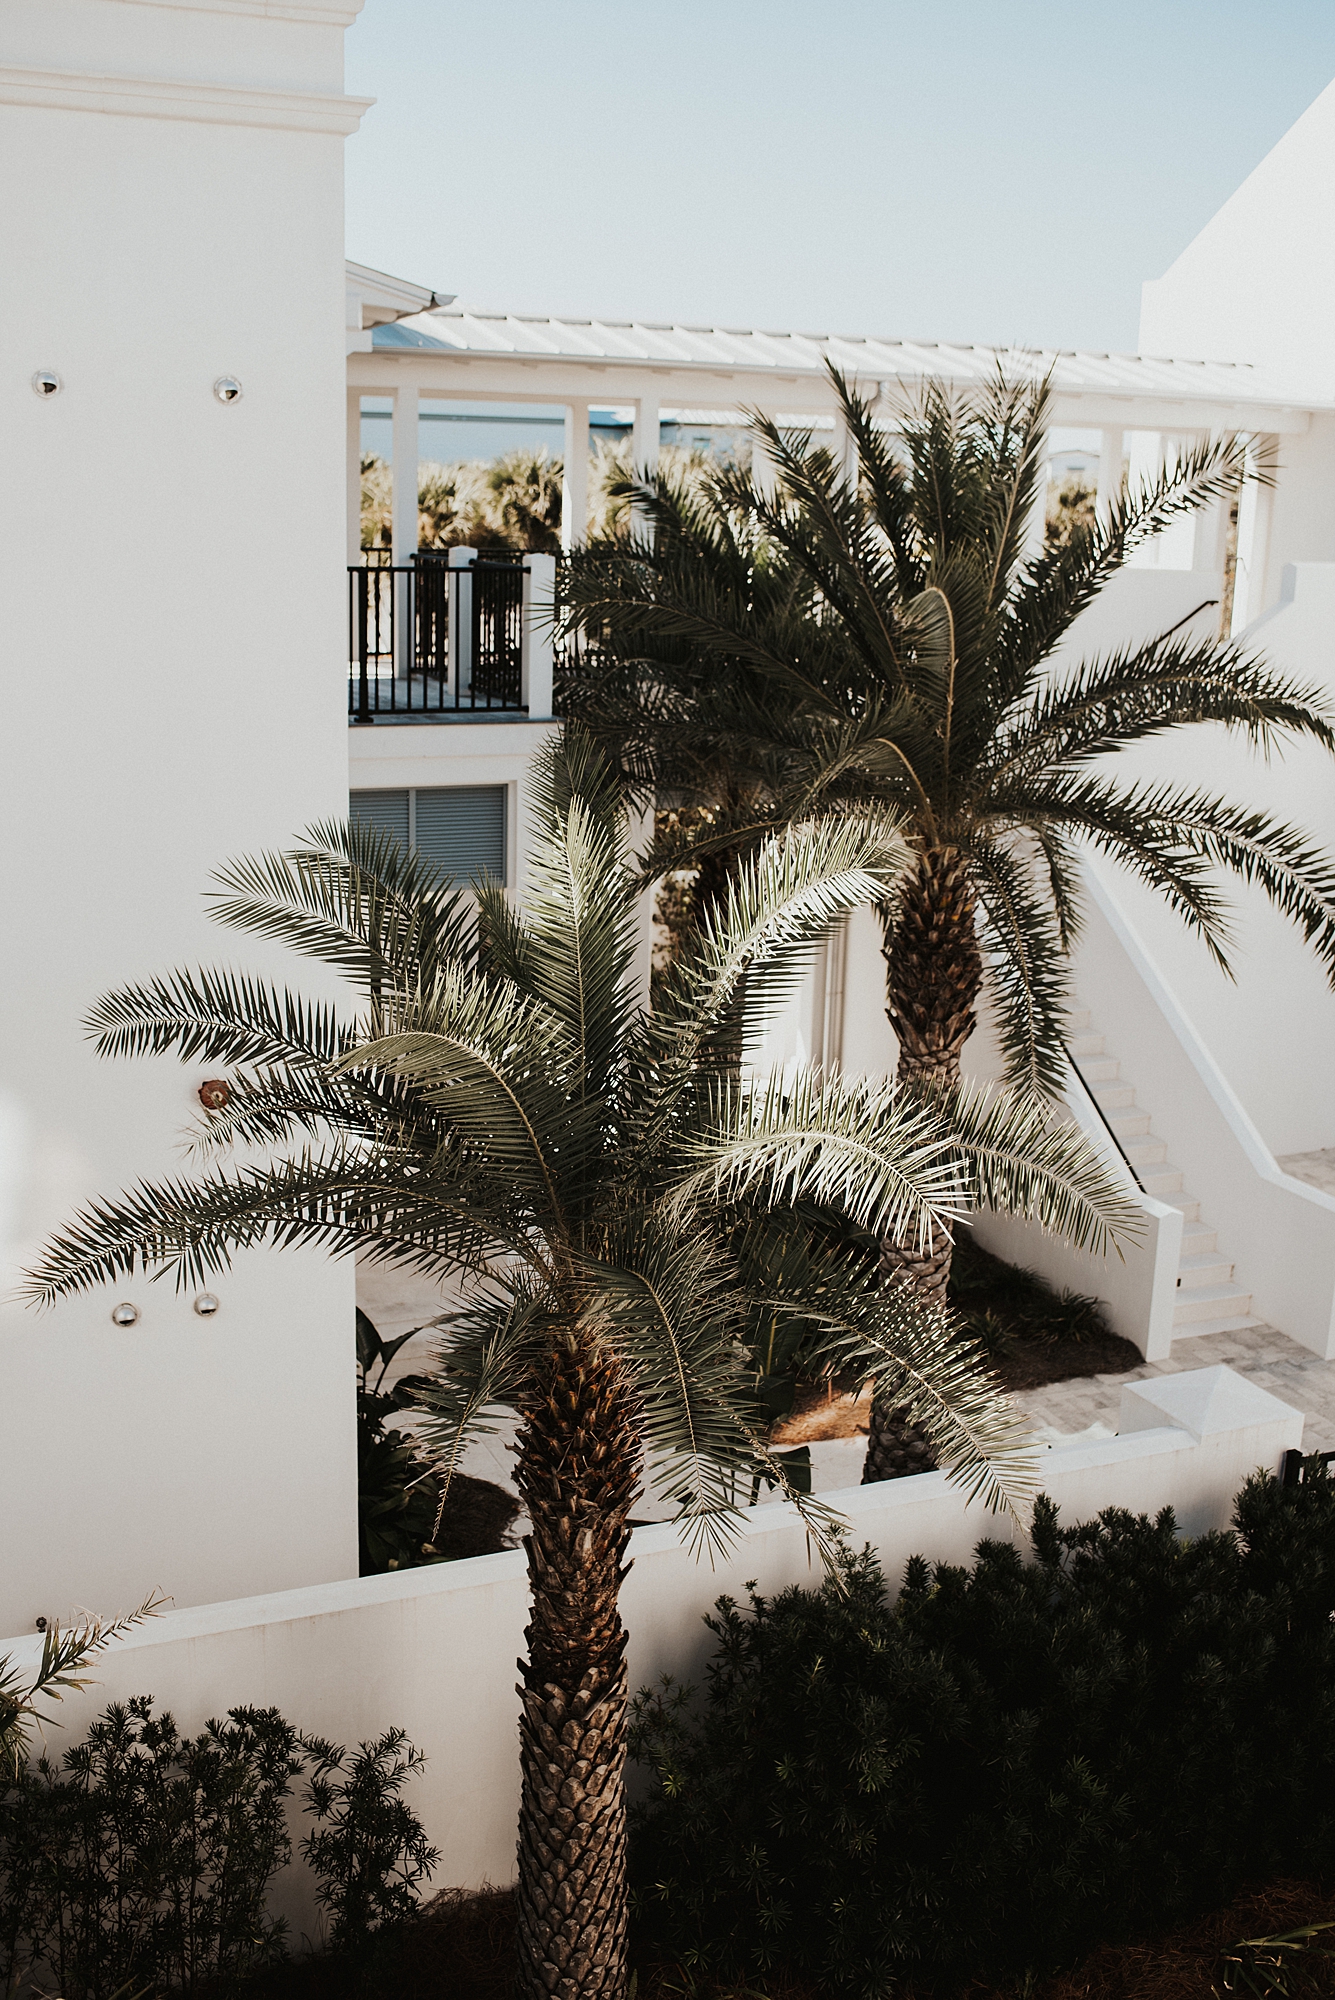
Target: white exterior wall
column 1258, row 283
column 434, row 1650
column 174, row 604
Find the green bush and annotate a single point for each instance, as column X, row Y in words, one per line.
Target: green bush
column 145, row 1859
column 369, row 1850
column 1007, row 1765
column 142, row 1864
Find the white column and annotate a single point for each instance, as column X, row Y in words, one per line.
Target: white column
column 354, row 466
column 405, row 474
column 1255, row 505
column 538, row 642
column 459, row 636
column 1035, row 530
column 1110, row 473
column 762, row 470
column 644, row 438
column 1144, row 453
column 575, row 483
column 644, row 455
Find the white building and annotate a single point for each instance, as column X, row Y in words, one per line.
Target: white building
column 188, row 613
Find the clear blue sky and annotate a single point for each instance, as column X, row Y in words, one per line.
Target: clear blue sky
column 987, row 170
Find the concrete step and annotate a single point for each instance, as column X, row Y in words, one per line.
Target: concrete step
column 1114, row 1096
column 1146, row 1152
column 1190, row 1207
column 1197, row 1236
column 1211, row 1302
column 1164, row 1181
column 1100, row 1069
column 1130, row 1124
column 1077, row 1020
column 1203, row 1267
column 1087, row 1045
column 1195, row 1329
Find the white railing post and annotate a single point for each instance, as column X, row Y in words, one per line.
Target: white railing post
column 538, row 637
column 460, row 635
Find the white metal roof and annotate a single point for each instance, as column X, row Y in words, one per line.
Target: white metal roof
column 638, row 344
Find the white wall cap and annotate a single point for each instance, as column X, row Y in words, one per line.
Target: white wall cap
column 166, row 97
column 1205, row 1402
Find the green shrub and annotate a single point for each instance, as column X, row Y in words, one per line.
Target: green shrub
column 144, row 1860
column 1010, row 1763
column 369, row 1850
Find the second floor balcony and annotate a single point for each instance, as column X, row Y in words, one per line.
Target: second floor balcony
column 452, row 634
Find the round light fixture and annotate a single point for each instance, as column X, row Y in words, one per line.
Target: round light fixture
column 214, row 1093
column 46, row 383
column 206, row 1305
column 227, row 389
column 124, row 1314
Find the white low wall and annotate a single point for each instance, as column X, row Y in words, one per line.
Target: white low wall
column 1279, row 1231
column 435, row 1650
column 1137, row 1279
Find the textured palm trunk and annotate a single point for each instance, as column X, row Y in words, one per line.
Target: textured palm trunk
column 577, row 1474
column 935, row 973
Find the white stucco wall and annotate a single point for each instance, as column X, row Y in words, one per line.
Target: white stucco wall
column 1258, row 284
column 175, row 695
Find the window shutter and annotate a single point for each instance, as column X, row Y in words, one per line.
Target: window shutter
column 461, row 829
column 386, row 812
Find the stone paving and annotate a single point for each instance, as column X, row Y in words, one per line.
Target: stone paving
column 1262, row 1353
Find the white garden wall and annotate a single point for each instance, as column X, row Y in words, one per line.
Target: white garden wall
column 435, row 1650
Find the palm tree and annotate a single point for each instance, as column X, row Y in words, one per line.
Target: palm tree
column 888, row 643
column 623, row 1214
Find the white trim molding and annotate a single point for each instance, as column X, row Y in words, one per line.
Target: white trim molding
column 316, row 14
column 166, row 97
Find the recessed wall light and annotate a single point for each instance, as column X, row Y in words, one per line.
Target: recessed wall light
column 227, row 389
column 46, row 383
column 124, row 1314
column 206, row 1305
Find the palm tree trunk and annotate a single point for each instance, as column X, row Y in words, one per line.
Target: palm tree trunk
column 577, row 1475
column 935, row 973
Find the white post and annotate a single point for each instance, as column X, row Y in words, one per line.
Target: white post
column 459, row 636
column 575, row 481
column 538, row 637
column 404, row 450
column 1255, row 504
column 763, row 476
column 354, row 470
column 1144, row 460
column 644, row 437
column 1110, row 474
column 1035, row 530
column 644, row 456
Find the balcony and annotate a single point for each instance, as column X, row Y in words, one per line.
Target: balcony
column 451, row 635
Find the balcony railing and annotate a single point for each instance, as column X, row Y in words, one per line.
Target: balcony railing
column 442, row 635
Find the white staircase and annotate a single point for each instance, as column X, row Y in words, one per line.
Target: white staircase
column 1208, row 1301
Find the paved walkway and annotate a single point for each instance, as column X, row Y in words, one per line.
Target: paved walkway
column 1262, row 1353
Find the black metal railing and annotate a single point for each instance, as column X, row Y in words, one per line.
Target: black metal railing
column 428, row 639
column 1294, row 1466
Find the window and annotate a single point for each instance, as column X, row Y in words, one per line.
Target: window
column 459, row 828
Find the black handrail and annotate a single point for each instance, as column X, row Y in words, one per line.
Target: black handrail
column 1103, row 1116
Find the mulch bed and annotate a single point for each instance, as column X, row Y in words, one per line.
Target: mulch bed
column 459, row 1949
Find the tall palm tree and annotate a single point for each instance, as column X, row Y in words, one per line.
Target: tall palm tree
column 622, row 1212
column 889, row 642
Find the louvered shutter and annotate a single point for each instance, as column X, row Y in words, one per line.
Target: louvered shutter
column 461, row 829
column 387, row 812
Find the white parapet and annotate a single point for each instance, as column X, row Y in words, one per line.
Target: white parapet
column 434, row 1650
